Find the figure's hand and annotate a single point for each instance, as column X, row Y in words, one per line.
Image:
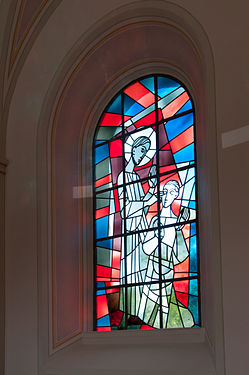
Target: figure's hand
column 162, row 230
column 152, row 181
column 183, row 216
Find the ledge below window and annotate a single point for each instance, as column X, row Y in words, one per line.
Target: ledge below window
column 145, row 337
column 171, row 351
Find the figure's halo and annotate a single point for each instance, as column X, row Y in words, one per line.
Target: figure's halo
column 149, row 133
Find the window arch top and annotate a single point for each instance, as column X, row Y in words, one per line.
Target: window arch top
column 146, row 261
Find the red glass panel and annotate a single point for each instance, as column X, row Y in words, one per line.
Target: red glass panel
column 166, row 147
column 116, row 148
column 116, row 200
column 103, row 271
column 167, row 168
column 116, row 257
column 116, row 317
column 145, row 326
column 183, row 298
column 146, row 120
column 140, row 94
column 183, row 285
column 103, row 180
column 104, row 329
column 182, row 140
column 146, row 187
column 112, row 119
column 174, row 106
column 176, row 205
column 182, row 267
column 102, row 308
column 102, row 212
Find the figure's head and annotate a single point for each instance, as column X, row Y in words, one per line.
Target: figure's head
column 170, row 192
column 140, row 147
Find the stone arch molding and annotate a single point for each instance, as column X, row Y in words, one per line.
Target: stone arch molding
column 133, row 40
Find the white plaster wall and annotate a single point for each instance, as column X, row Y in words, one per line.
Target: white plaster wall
column 226, row 25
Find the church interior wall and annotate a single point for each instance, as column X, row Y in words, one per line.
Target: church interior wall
column 64, row 32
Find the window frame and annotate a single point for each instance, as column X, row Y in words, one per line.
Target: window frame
column 157, row 123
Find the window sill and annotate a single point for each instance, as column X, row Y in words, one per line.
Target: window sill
column 144, row 337
column 145, row 352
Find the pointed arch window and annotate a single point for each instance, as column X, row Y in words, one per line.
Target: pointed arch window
column 146, row 259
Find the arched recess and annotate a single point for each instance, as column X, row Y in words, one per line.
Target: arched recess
column 137, row 40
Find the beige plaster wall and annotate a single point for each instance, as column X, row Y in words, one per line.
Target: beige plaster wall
column 226, row 25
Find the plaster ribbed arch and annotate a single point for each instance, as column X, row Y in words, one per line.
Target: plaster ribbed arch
column 10, row 77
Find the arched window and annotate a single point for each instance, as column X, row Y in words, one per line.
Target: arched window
column 162, row 38
column 145, row 209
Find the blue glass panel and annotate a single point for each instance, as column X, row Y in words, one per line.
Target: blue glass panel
column 106, row 244
column 192, row 204
column 115, row 106
column 104, row 322
column 166, row 86
column 186, row 154
column 193, row 255
column 177, row 126
column 187, row 106
column 98, row 142
column 131, row 108
column 100, row 292
column 101, row 153
column 100, row 284
column 193, row 307
column 102, row 227
column 149, row 84
column 193, row 287
column 193, row 229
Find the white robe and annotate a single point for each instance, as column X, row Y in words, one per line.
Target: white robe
column 133, row 217
column 173, row 251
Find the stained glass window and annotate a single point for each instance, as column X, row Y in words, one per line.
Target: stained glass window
column 146, row 260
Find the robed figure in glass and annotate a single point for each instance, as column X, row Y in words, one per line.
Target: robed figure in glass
column 134, row 204
column 173, row 251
